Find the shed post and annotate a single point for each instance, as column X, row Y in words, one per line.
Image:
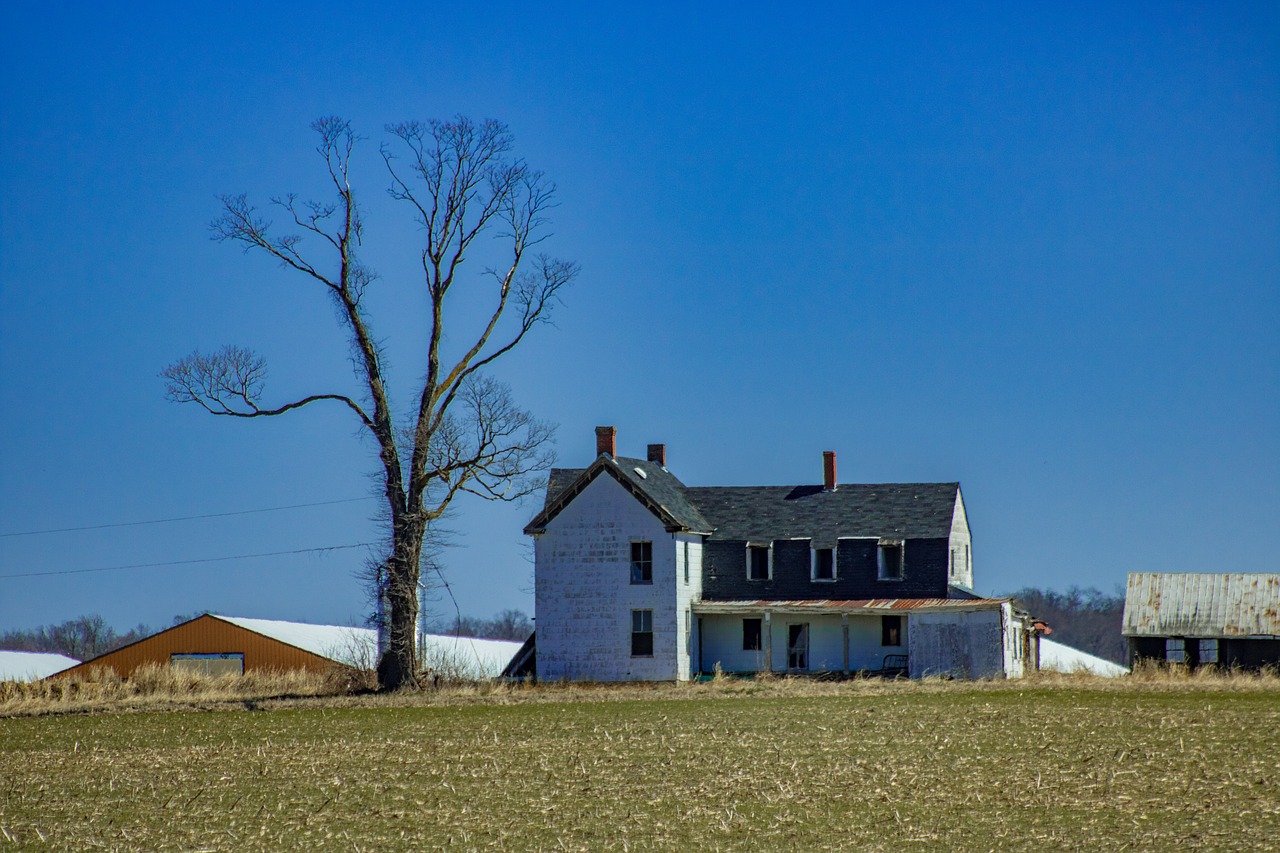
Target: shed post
column 844, row 633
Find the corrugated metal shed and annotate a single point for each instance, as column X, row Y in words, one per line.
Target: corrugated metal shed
column 1160, row 604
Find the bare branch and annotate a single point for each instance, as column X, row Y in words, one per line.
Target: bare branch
column 229, row 382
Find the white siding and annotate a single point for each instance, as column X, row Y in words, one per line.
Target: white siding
column 961, row 548
column 685, row 595
column 722, row 643
column 584, row 595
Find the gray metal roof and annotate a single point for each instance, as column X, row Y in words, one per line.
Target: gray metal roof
column 766, row 513
column 1160, row 604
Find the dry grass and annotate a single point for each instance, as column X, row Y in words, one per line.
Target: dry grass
column 1158, row 762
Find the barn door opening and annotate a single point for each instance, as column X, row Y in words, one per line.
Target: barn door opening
column 798, row 646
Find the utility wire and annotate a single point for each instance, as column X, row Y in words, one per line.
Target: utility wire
column 188, row 562
column 180, row 518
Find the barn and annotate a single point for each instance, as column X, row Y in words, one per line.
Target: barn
column 1231, row 620
column 232, row 645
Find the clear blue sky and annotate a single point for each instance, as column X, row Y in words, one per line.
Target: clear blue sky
column 1034, row 250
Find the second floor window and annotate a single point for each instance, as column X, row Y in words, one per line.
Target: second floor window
column 641, row 562
column 758, row 568
column 824, row 564
column 890, row 561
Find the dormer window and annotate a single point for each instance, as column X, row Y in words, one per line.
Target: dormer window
column 759, row 562
column 822, row 564
column 889, row 560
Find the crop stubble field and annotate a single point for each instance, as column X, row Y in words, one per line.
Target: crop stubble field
column 745, row 767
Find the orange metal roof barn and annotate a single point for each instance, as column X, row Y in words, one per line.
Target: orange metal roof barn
column 205, row 638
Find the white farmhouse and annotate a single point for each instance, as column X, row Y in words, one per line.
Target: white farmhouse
column 641, row 578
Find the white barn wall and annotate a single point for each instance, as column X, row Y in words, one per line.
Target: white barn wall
column 584, row 597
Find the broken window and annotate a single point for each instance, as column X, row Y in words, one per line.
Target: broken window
column 890, row 560
column 751, row 634
column 641, row 633
column 824, row 564
column 1175, row 650
column 798, row 646
column 1208, row 651
column 758, row 562
column 891, row 630
column 641, row 562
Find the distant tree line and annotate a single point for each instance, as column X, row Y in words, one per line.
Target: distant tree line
column 81, row 638
column 1086, row 619
column 507, row 625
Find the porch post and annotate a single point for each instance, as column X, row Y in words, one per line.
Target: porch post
column 844, row 632
column 768, row 641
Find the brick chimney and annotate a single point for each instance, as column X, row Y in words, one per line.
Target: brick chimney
column 658, row 454
column 606, row 440
column 828, row 470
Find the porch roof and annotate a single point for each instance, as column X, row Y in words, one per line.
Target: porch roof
column 865, row 605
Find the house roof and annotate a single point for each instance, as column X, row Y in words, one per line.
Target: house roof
column 32, row 666
column 894, row 510
column 1163, row 604
column 654, row 486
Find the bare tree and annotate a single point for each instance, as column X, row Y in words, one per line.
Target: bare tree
column 465, row 433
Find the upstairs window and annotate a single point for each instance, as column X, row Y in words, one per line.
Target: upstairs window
column 641, row 562
column 891, row 631
column 642, row 633
column 686, row 564
column 751, row 634
column 889, row 560
column 824, row 564
column 759, row 563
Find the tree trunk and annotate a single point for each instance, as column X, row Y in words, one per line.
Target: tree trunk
column 398, row 666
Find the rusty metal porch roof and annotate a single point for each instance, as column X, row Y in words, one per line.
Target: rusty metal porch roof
column 869, row 605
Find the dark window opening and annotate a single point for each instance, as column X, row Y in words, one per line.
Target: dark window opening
column 751, row 635
column 891, row 561
column 758, row 562
column 642, row 562
column 824, row 564
column 891, row 630
column 641, row 633
column 798, row 646
column 686, row 563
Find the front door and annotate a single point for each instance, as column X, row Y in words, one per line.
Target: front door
column 798, row 646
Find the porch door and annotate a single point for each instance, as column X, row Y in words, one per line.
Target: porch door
column 798, row 646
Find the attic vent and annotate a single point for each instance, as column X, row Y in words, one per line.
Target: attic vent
column 640, row 471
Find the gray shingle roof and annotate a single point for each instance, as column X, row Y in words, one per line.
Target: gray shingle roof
column 765, row 513
column 656, row 483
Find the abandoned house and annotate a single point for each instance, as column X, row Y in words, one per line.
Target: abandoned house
column 1228, row 620
column 639, row 577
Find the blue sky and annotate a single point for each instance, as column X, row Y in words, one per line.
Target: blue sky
column 1036, row 251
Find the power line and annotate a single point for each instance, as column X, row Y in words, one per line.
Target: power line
column 180, row 518
column 188, row 562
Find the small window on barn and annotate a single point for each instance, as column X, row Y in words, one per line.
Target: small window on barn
column 641, row 562
column 824, row 564
column 642, row 633
column 212, row 665
column 1175, row 650
column 751, row 634
column 759, row 562
column 1208, row 651
column 891, row 631
column 889, row 561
